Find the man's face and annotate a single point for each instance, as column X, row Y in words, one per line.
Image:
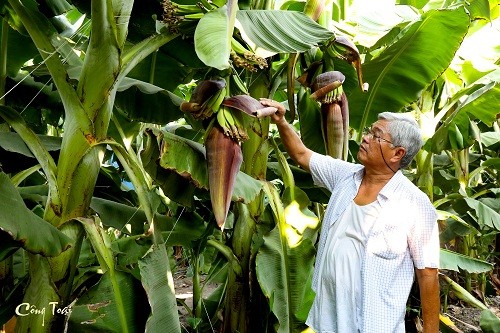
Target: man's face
column 376, row 145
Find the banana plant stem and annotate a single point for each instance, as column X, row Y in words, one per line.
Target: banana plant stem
column 3, row 59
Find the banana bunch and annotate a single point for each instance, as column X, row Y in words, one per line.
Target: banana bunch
column 232, row 123
column 327, row 87
column 242, row 57
column 214, row 103
column 237, row 86
column 206, row 99
column 180, row 18
column 343, row 48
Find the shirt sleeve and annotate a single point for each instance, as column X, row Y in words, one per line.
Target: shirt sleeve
column 326, row 171
column 423, row 236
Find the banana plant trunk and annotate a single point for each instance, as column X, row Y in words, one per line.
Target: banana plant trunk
column 87, row 115
column 243, row 300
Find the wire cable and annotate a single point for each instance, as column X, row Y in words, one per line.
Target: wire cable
column 382, row 153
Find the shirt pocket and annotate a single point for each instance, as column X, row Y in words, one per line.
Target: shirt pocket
column 388, row 242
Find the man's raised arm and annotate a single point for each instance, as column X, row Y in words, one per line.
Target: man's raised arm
column 292, row 142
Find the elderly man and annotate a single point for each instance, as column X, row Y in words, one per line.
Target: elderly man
column 378, row 230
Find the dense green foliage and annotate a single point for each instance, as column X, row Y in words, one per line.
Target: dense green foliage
column 103, row 178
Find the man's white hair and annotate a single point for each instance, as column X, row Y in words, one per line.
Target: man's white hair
column 404, row 132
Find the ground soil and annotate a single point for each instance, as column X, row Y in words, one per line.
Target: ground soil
column 184, row 292
column 466, row 318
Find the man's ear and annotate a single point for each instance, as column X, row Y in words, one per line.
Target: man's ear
column 399, row 152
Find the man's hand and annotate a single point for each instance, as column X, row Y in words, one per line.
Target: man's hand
column 279, row 115
column 293, row 145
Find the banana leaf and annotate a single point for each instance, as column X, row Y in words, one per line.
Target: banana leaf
column 489, row 322
column 24, row 228
column 12, row 142
column 479, row 10
column 310, row 122
column 178, row 230
column 486, row 216
column 420, row 54
column 146, row 102
column 159, row 286
column 21, row 49
column 41, row 295
column 490, row 138
column 270, row 30
column 211, row 39
column 140, row 105
column 97, row 312
column 289, row 256
column 456, row 261
column 183, row 168
column 281, row 31
column 480, row 104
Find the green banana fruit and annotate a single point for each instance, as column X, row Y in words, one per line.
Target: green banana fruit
column 215, row 101
column 343, row 48
column 237, row 86
column 206, row 99
column 242, row 57
column 232, row 123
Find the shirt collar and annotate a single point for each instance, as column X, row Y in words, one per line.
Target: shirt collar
column 358, row 177
column 388, row 190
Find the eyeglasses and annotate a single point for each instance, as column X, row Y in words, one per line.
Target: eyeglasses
column 368, row 132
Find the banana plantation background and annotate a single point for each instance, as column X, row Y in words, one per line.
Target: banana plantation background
column 133, row 143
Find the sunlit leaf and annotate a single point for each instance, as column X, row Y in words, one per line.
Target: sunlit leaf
column 479, row 9
column 288, row 288
column 379, row 23
column 456, row 261
column 490, row 138
column 485, row 214
column 282, row 31
column 479, row 105
column 159, row 285
column 211, row 41
column 398, row 74
column 416, row 3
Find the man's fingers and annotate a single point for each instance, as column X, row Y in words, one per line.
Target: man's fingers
column 264, row 112
column 280, row 109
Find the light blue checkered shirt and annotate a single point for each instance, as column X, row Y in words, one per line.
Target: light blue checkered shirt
column 404, row 236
